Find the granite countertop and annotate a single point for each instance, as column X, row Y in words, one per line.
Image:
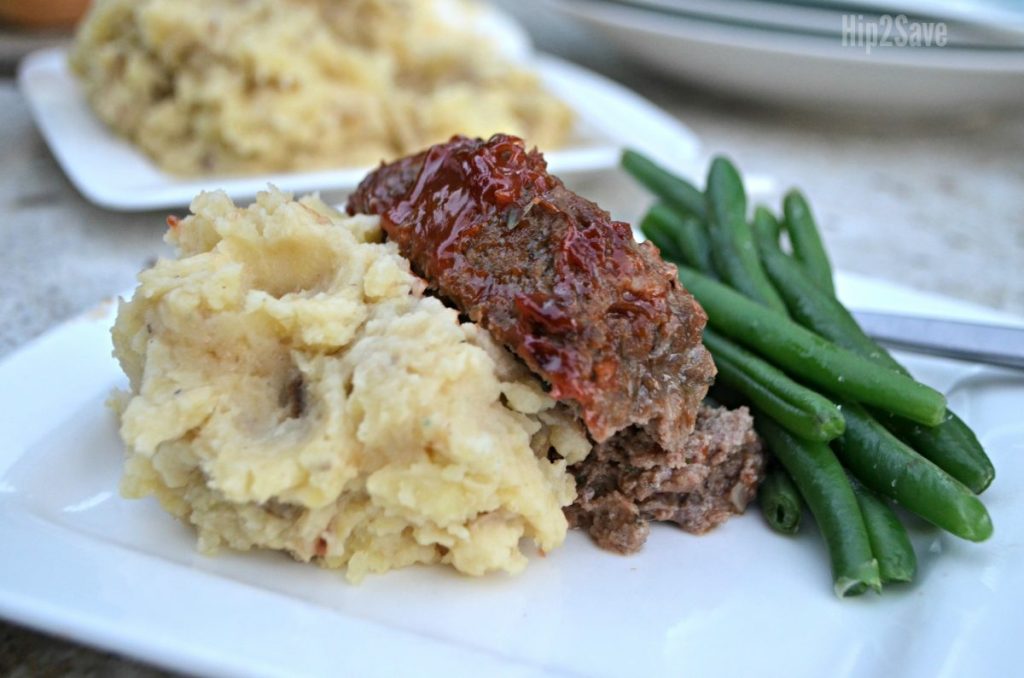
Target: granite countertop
column 938, row 206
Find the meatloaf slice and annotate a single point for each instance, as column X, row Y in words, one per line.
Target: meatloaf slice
column 602, row 319
column 629, row 480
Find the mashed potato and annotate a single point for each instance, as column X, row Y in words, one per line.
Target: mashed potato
column 292, row 388
column 213, row 86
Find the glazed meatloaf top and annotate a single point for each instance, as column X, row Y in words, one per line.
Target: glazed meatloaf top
column 602, row 319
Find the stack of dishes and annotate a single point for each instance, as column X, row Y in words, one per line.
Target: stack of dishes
column 844, row 55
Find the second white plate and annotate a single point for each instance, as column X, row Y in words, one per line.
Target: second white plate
column 113, row 173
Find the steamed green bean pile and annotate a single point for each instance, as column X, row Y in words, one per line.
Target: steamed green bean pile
column 850, row 432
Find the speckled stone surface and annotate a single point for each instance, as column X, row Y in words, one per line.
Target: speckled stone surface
column 938, row 206
column 25, row 654
column 59, row 255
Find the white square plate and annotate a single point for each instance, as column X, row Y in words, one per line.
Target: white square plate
column 111, row 172
column 80, row 561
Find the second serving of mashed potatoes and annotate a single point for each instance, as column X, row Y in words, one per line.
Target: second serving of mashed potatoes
column 292, row 388
column 216, row 86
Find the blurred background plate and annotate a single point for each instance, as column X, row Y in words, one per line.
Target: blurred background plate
column 795, row 67
column 984, row 26
column 1004, row 17
column 111, row 172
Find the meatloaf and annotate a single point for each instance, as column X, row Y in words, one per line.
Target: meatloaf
column 602, row 319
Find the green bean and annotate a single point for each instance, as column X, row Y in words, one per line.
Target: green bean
column 766, row 226
column 815, row 360
column 680, row 194
column 687, row 238
column 824, row 486
column 951, row 444
column 695, row 245
column 655, row 229
column 799, row 409
column 806, row 240
column 816, row 310
column 889, row 539
column 886, row 465
column 733, row 250
column 780, row 501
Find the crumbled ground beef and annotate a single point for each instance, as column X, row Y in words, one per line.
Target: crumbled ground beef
column 630, row 480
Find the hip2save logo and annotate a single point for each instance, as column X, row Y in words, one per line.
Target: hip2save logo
column 887, row 30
